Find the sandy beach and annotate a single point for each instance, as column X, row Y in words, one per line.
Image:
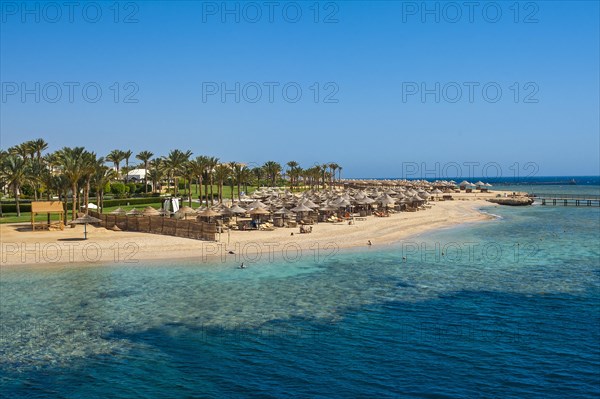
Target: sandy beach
column 23, row 247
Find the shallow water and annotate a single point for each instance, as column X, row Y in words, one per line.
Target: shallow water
column 507, row 308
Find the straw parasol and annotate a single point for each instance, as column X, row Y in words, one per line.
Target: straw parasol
column 259, row 211
column 309, row 204
column 119, row 211
column 283, row 212
column 164, row 212
column 209, row 213
column 134, row 212
column 328, row 208
column 237, row 209
column 186, row 210
column 149, row 211
column 256, row 204
column 84, row 220
column 301, row 208
column 386, row 200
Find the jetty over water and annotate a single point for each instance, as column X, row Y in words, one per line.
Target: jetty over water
column 567, row 199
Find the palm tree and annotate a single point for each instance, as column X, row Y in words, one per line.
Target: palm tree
column 156, row 173
column 24, row 150
column 116, row 156
column 237, row 170
column 292, row 172
column 333, row 167
column 222, row 172
column 72, row 162
column 89, row 167
column 340, row 173
column 13, row 171
column 272, row 169
column 60, row 184
column 174, row 162
column 323, row 173
column 126, row 155
column 198, row 167
column 246, row 178
column 187, row 172
column 34, row 171
column 101, row 177
column 210, row 172
column 258, row 172
column 313, row 176
column 39, row 146
column 145, row 157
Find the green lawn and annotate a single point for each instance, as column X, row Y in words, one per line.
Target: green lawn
column 226, row 190
column 11, row 217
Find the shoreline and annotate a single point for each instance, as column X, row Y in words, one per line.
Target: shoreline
column 47, row 249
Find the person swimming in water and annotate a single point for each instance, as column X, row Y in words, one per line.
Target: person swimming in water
column 369, row 243
column 242, row 266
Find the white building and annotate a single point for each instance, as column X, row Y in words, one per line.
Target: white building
column 136, row 175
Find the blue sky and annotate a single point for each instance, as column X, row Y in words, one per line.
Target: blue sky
column 369, row 61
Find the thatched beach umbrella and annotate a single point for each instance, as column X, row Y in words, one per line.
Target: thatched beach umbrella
column 328, row 208
column 283, row 212
column 259, row 211
column 301, row 208
column 386, row 200
column 236, row 209
column 208, row 213
column 256, row 204
column 149, row 211
column 164, row 212
column 134, row 212
column 186, row 210
column 119, row 211
column 309, row 204
column 84, row 220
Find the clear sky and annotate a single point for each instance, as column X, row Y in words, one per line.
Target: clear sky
column 369, row 75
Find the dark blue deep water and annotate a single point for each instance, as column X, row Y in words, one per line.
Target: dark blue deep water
column 511, row 309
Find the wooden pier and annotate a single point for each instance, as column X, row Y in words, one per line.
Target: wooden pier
column 567, row 199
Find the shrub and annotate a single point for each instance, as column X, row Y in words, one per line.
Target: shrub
column 118, row 188
column 132, row 188
column 133, row 201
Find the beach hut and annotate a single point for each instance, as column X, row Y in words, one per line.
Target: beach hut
column 50, row 208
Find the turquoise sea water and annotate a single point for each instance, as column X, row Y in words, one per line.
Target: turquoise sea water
column 501, row 309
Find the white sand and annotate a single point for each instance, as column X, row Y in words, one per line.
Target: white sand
column 21, row 246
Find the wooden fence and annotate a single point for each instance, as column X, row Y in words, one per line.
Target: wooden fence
column 196, row 230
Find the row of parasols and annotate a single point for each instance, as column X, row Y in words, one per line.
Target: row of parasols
column 287, row 204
